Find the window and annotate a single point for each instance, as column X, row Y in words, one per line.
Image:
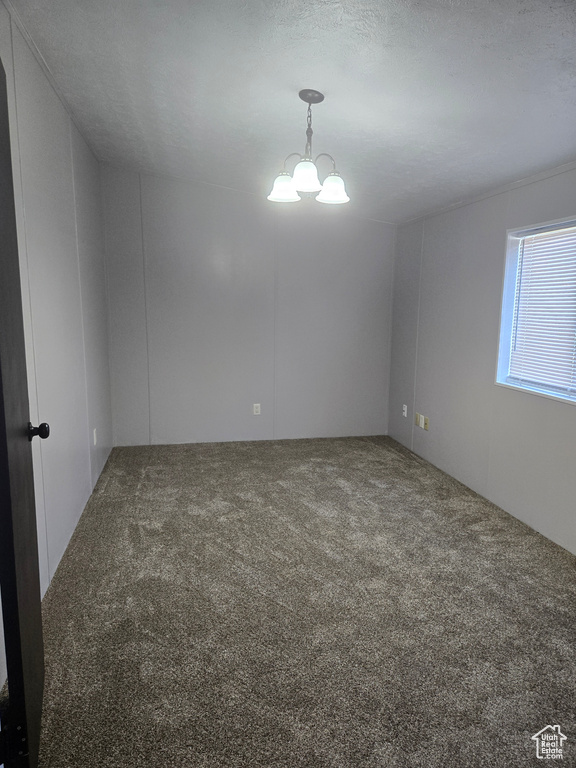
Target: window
column 538, row 325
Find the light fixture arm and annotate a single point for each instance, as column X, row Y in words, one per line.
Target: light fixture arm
column 325, row 154
column 292, row 154
column 301, row 157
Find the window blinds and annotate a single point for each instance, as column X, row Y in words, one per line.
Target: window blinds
column 543, row 341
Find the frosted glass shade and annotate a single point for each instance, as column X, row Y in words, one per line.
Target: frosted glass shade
column 284, row 190
column 306, row 177
column 333, row 190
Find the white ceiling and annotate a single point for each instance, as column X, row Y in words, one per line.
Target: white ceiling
column 427, row 101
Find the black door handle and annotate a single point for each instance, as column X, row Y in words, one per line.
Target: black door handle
column 42, row 431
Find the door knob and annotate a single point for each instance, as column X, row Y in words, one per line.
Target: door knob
column 42, row 431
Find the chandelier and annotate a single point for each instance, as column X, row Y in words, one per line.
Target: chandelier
column 305, row 176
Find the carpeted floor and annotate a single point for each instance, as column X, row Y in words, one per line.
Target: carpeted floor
column 305, row 603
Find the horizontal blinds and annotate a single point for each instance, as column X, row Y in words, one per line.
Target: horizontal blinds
column 543, row 349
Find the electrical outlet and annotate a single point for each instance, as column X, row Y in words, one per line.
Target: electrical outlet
column 417, row 419
column 256, row 409
column 426, row 423
column 405, row 411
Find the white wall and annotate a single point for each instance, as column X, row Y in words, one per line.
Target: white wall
column 60, row 236
column 219, row 300
column 515, row 448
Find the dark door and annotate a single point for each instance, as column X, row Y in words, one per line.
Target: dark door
column 19, row 572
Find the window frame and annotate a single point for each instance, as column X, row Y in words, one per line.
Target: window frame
column 513, row 239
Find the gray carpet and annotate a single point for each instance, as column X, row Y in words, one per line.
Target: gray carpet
column 303, row 603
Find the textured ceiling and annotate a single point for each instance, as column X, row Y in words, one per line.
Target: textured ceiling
column 427, row 101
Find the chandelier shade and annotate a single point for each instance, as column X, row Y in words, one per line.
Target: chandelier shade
column 305, row 175
column 284, row 190
column 333, row 190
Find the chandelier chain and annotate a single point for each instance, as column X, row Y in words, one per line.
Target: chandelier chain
column 308, row 150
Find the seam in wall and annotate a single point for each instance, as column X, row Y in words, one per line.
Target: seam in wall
column 417, row 334
column 391, row 296
column 104, row 233
column 143, row 249
column 82, row 323
column 274, row 320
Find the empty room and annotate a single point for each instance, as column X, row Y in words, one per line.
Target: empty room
column 288, row 378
